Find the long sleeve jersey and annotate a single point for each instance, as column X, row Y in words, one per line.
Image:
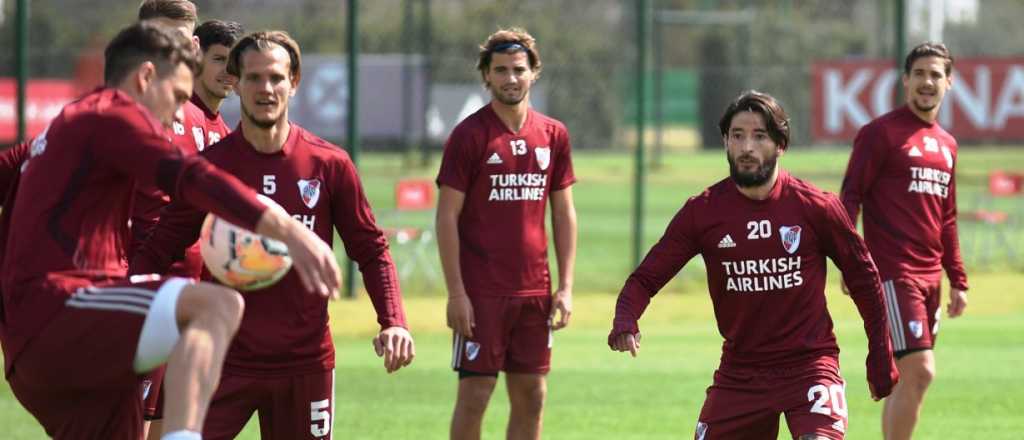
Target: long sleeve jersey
column 766, row 275
column 902, row 173
column 285, row 329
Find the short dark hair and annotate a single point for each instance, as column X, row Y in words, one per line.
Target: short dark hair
column 224, row 33
column 183, row 10
column 146, row 41
column 775, row 117
column 928, row 49
column 265, row 40
column 509, row 41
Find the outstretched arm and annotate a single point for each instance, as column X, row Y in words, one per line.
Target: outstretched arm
column 152, row 160
column 662, row 263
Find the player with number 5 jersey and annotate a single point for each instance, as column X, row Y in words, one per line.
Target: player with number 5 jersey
column 281, row 362
column 764, row 236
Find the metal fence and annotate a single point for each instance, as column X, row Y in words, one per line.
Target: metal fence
column 419, row 56
column 832, row 64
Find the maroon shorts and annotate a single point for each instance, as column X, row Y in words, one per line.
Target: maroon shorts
column 290, row 408
column 153, row 394
column 512, row 334
column 76, row 376
column 913, row 309
column 747, row 404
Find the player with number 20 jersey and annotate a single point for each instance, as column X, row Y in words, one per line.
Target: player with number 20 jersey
column 764, row 236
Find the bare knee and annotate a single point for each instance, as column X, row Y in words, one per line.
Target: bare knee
column 917, row 370
column 209, row 314
column 216, row 303
column 475, row 393
column 527, row 393
column 532, row 402
column 919, row 376
column 228, row 306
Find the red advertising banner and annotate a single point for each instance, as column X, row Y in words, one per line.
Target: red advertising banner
column 986, row 102
column 46, row 97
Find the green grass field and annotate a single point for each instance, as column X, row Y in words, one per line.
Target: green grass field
column 597, row 394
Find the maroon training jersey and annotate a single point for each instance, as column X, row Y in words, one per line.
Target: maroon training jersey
column 284, row 329
column 507, row 178
column 69, row 215
column 766, row 271
column 189, row 136
column 213, row 124
column 902, row 170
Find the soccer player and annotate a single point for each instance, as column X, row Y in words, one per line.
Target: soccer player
column 213, row 82
column 202, row 114
column 75, row 332
column 501, row 167
column 764, row 236
column 281, row 363
column 902, row 172
column 188, row 134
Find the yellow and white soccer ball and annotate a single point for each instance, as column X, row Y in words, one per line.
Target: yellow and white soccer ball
column 240, row 258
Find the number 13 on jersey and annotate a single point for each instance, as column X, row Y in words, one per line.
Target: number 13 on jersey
column 518, row 147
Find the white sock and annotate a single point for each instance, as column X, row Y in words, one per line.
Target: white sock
column 182, row 435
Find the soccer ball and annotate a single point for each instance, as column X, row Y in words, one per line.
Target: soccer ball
column 240, row 258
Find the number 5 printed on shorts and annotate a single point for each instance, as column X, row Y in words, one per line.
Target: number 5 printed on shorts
column 320, row 418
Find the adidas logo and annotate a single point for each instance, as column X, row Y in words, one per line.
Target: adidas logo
column 494, row 160
column 914, row 152
column 726, row 242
